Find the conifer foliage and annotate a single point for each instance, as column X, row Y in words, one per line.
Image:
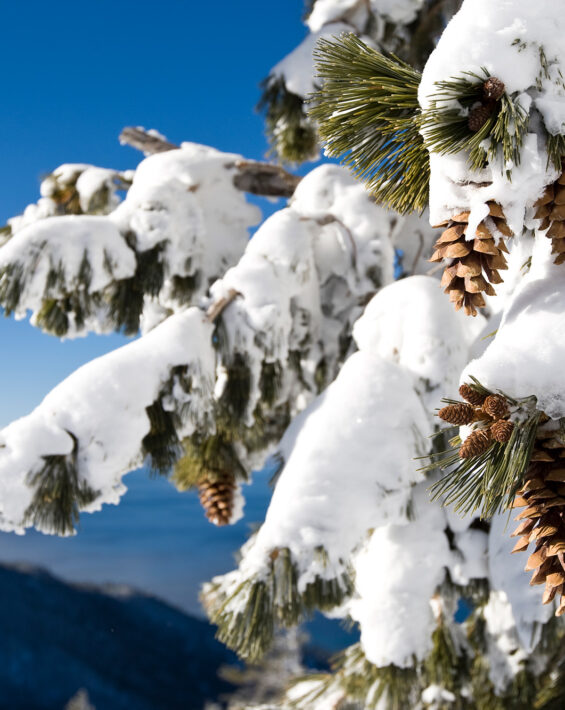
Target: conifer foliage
column 308, row 345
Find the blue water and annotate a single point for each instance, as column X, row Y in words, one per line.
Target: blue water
column 156, row 540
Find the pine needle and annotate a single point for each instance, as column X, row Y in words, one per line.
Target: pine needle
column 367, row 113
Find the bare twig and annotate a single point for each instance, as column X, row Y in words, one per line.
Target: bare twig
column 219, row 306
column 265, row 179
column 143, row 140
column 252, row 176
column 418, row 254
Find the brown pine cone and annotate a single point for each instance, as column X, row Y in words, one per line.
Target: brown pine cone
column 458, row 414
column 216, row 497
column 478, row 116
column 550, row 210
column 475, row 444
column 471, row 395
column 543, row 520
column 496, row 406
column 493, row 88
column 501, row 431
column 474, row 264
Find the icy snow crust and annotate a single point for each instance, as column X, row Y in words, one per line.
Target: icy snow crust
column 505, row 37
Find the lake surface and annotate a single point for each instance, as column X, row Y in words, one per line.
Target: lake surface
column 156, row 540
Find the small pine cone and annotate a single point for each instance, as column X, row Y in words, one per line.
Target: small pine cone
column 493, row 88
column 471, row 395
column 496, row 406
column 458, row 414
column 475, row 444
column 501, row 431
column 478, row 117
column 216, row 497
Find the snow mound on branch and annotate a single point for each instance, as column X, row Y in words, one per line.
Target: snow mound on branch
column 330, row 493
column 297, row 68
column 187, row 199
column 63, row 244
column 397, row 619
column 507, row 576
column 103, row 406
column 356, row 12
column 525, row 356
column 304, row 274
column 519, row 42
column 411, row 322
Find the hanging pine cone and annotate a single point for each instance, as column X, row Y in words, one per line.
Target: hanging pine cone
column 496, row 406
column 550, row 209
column 458, row 414
column 216, row 497
column 501, row 431
column 471, row 395
column 463, row 278
column 478, row 116
column 543, row 520
column 493, row 88
column 475, row 444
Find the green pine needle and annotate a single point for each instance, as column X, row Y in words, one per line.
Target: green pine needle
column 447, row 131
column 274, row 599
column 367, row 113
column 488, row 482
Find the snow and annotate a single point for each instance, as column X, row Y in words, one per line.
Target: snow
column 103, row 405
column 521, row 359
column 304, row 273
column 412, row 323
column 297, row 68
column 60, row 244
column 186, row 198
column 507, row 575
column 396, row 577
column 506, row 39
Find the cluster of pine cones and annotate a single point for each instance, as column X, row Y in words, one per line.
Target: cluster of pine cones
column 474, row 264
column 543, row 519
column 489, row 412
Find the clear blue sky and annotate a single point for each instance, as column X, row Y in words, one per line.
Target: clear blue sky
column 74, row 73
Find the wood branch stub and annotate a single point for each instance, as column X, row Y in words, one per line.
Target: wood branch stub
column 219, row 306
column 252, row 176
column 265, row 179
column 140, row 139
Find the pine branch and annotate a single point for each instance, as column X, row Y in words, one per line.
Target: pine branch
column 367, row 112
column 254, row 177
column 247, row 616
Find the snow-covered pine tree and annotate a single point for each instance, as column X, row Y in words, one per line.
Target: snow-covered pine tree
column 300, row 344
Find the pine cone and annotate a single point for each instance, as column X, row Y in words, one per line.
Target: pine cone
column 471, row 395
column 496, row 406
column 216, row 497
column 501, row 431
column 543, row 520
column 493, row 88
column 475, row 444
column 478, row 116
column 550, row 210
column 472, row 260
column 458, row 414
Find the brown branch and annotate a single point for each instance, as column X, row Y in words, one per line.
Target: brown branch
column 264, row 179
column 140, row 139
column 252, row 176
column 219, row 306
